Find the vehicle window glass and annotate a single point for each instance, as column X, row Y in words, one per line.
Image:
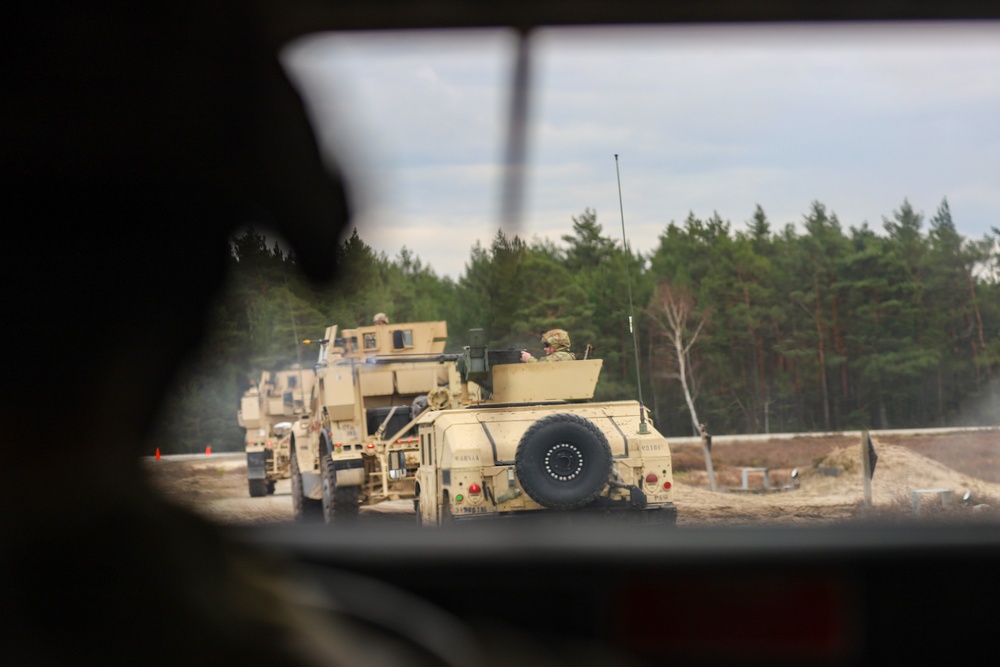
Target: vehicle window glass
column 779, row 238
column 402, row 339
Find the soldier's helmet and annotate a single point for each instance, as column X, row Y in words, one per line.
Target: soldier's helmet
column 380, row 318
column 557, row 338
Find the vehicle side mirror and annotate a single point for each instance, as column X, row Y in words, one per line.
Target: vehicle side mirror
column 397, row 464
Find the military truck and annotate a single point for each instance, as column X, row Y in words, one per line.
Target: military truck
column 371, row 383
column 270, row 411
column 531, row 439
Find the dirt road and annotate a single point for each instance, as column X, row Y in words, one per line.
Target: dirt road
column 827, row 489
column 216, row 486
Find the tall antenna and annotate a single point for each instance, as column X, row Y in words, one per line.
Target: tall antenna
column 298, row 355
column 643, row 428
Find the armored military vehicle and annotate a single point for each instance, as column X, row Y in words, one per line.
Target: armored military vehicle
column 531, row 439
column 371, row 383
column 270, row 411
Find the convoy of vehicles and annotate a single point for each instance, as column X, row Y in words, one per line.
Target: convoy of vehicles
column 390, row 416
column 360, row 447
column 271, row 411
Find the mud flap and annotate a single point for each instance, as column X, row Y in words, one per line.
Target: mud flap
column 637, row 499
column 663, row 514
column 349, row 473
column 257, row 464
column 312, row 486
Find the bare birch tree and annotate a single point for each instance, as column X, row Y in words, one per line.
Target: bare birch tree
column 673, row 311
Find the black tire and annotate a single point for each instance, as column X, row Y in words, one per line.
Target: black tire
column 303, row 509
column 270, row 487
column 340, row 503
column 346, row 502
column 563, row 461
column 258, row 487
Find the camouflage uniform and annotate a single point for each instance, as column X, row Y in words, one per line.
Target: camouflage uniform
column 559, row 340
column 380, row 318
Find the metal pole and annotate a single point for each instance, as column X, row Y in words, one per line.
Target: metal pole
column 706, row 446
column 866, row 471
column 517, row 131
column 643, row 428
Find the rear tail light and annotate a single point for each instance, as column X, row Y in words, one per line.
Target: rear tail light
column 651, row 478
column 475, row 489
column 666, row 485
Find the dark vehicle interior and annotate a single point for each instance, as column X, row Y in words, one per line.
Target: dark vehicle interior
column 135, row 133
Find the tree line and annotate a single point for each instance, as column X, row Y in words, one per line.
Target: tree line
column 809, row 327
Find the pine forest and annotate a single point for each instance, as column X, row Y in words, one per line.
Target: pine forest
column 746, row 328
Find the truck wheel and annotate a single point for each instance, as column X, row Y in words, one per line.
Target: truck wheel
column 339, row 502
column 445, row 517
column 258, row 487
column 303, row 509
column 346, row 502
column 563, row 461
column 270, row 487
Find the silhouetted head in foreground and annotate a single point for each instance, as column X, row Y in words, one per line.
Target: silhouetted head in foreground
column 136, row 140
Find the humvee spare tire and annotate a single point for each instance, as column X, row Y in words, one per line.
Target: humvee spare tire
column 563, row 461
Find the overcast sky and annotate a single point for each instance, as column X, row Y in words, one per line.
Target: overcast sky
column 708, row 119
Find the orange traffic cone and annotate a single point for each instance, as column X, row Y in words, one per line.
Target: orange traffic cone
column 157, row 453
column 208, row 450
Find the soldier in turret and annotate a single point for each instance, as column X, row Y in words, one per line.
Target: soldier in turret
column 556, row 344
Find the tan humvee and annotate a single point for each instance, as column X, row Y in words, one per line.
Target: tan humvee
column 533, row 441
column 270, row 411
column 371, row 384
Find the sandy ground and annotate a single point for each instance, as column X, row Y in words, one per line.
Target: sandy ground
column 837, row 494
column 829, row 486
column 216, row 487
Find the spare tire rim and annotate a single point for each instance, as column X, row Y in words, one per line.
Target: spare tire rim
column 563, row 461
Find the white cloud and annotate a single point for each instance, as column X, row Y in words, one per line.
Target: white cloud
column 704, row 119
